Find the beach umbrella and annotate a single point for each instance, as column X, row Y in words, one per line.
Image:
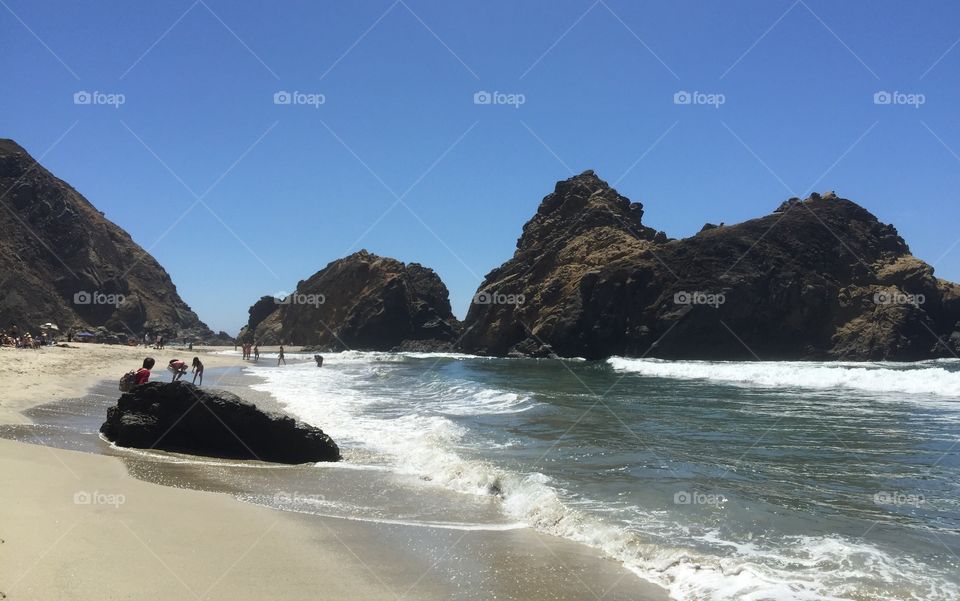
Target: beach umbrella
column 49, row 326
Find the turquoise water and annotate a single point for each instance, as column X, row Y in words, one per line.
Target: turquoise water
column 716, row 480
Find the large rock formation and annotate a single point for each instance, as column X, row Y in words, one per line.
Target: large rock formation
column 259, row 311
column 820, row 278
column 179, row 416
column 62, row 261
column 362, row 302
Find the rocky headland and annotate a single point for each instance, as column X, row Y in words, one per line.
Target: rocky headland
column 62, row 261
column 818, row 278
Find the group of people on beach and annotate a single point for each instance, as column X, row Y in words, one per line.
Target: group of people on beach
column 14, row 338
column 175, row 366
column 178, row 368
column 250, row 349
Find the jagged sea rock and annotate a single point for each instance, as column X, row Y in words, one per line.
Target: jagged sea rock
column 817, row 279
column 363, row 302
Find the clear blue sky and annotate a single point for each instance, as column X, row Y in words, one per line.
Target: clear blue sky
column 286, row 188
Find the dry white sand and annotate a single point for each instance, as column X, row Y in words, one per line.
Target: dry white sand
column 76, row 526
column 32, row 377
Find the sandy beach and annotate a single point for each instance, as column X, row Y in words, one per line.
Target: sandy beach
column 79, row 525
column 32, row 377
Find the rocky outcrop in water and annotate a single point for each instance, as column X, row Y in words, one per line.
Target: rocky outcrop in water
column 62, row 261
column 820, row 278
column 362, row 302
column 178, row 416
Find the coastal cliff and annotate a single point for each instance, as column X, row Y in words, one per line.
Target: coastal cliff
column 360, row 302
column 62, row 261
column 819, row 278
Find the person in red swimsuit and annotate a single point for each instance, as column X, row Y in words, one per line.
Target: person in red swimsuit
column 177, row 368
column 143, row 374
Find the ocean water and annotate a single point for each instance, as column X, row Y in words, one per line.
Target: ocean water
column 716, row 480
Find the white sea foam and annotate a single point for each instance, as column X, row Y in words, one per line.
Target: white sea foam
column 178, row 458
column 870, row 377
column 420, row 438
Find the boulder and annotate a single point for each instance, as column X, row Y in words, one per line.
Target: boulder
column 181, row 417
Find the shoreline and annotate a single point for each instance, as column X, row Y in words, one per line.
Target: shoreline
column 190, row 538
column 31, row 377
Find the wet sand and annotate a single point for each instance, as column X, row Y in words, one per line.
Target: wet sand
column 180, row 529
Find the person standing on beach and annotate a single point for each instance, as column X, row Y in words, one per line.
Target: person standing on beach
column 280, row 357
column 256, row 352
column 143, row 374
column 198, row 370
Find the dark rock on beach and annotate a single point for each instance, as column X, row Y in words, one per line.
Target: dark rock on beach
column 361, row 302
column 820, row 278
column 62, row 261
column 180, row 417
